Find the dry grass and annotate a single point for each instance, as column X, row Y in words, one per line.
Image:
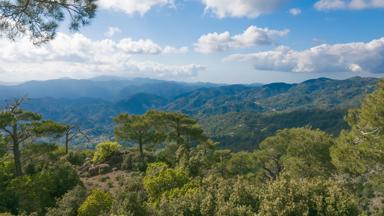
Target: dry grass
column 109, row 182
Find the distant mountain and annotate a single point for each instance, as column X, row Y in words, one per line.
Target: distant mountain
column 140, row 103
column 106, row 88
column 238, row 116
column 320, row 93
column 8, row 83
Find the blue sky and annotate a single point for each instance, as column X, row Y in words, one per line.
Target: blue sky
column 231, row 41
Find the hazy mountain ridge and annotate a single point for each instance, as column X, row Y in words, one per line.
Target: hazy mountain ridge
column 111, row 89
column 268, row 107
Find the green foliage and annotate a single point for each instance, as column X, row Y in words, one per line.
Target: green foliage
column 97, row 203
column 40, row 156
column 39, row 20
column 20, row 126
column 359, row 153
column 319, row 93
column 246, row 130
column 201, row 159
column 105, row 150
column 36, row 192
column 132, row 161
column 242, row 163
column 77, row 157
column 7, row 197
column 49, row 128
column 178, row 127
column 159, row 179
column 307, row 197
column 298, row 152
column 213, row 196
column 68, row 204
column 131, row 198
column 361, row 150
column 3, row 146
column 137, row 129
column 221, row 157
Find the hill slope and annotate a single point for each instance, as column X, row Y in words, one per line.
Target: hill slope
column 239, row 116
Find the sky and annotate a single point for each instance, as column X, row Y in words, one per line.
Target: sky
column 222, row 41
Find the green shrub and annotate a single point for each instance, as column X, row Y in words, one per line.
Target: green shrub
column 98, row 202
column 105, row 150
column 68, row 204
column 160, row 179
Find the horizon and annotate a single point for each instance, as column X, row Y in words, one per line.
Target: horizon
column 106, row 78
column 210, row 41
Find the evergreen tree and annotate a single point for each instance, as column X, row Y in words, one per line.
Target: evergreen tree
column 39, row 19
column 298, row 152
column 138, row 129
column 19, row 126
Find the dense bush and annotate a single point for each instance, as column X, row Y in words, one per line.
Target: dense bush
column 307, row 197
column 97, row 203
column 36, row 192
column 68, row 204
column 105, row 150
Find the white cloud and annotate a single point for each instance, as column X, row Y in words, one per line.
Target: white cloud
column 348, row 57
column 112, row 31
column 294, row 11
column 348, row 4
column 217, row 42
column 181, row 50
column 134, row 6
column 241, row 8
column 78, row 56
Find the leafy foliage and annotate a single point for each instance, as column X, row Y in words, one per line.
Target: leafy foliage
column 3, row 146
column 35, row 193
column 159, row 179
column 20, row 126
column 105, row 150
column 97, row 203
column 298, row 152
column 137, row 129
column 131, row 199
column 68, row 204
column 359, row 153
column 306, row 197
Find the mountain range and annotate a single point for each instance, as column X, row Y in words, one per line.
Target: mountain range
column 238, row 116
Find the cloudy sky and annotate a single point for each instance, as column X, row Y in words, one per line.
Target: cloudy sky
column 231, row 41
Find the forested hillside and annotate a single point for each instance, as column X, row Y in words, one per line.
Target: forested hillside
column 173, row 167
column 320, row 93
column 245, row 130
column 238, row 116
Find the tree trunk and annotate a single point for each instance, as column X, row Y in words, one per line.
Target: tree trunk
column 178, row 133
column 141, row 148
column 66, row 143
column 16, row 152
